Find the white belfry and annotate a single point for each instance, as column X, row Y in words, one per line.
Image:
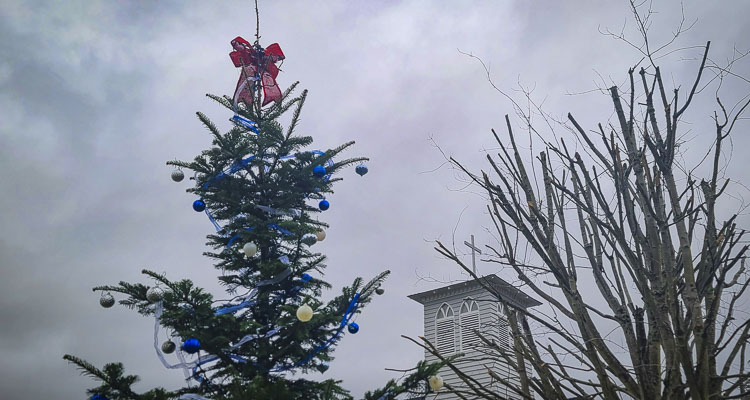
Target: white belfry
column 451, row 316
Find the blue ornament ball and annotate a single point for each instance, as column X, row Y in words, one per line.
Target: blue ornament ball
column 191, row 346
column 98, row 397
column 361, row 170
column 324, row 205
column 306, row 278
column 319, row 171
column 353, row 327
column 199, row 205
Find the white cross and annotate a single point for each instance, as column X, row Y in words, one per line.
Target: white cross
column 474, row 251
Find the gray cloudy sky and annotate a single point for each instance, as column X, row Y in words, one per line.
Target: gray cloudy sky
column 96, row 95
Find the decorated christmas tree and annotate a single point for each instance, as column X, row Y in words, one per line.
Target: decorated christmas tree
column 263, row 189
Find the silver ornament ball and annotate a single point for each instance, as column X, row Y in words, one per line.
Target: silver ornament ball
column 107, row 300
column 309, row 239
column 178, row 175
column 168, row 347
column 154, row 294
column 379, row 290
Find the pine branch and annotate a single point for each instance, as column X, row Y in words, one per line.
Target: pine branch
column 295, row 116
column 349, row 161
column 212, row 128
column 280, row 107
column 116, row 386
column 373, row 284
column 225, row 101
column 86, row 367
column 413, row 383
column 159, row 277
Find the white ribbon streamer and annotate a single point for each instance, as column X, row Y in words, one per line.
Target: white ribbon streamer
column 193, row 396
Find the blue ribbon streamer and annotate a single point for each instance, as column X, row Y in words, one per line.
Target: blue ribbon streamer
column 229, row 171
column 249, row 301
column 246, row 123
column 237, row 235
column 348, row 315
column 213, row 221
column 237, row 166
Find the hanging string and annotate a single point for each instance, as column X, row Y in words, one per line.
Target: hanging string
column 257, row 23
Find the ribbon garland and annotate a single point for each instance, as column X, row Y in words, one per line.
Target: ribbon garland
column 158, row 310
column 194, row 365
column 246, row 302
column 236, row 167
column 348, row 315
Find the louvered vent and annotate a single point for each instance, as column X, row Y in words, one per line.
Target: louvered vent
column 444, row 330
column 504, row 334
column 503, row 328
column 469, row 321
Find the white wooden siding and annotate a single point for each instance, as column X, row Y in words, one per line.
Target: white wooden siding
column 475, row 363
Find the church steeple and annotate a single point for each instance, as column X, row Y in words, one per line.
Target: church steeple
column 451, row 315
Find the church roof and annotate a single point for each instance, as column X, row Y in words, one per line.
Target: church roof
column 508, row 292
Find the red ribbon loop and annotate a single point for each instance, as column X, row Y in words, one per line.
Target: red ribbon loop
column 257, row 64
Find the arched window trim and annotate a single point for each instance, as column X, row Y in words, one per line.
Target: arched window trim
column 469, row 319
column 445, row 332
column 444, row 311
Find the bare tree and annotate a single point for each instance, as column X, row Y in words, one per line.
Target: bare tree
column 650, row 240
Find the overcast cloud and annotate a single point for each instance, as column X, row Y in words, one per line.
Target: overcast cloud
column 96, row 95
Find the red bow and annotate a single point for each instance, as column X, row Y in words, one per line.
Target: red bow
column 257, row 63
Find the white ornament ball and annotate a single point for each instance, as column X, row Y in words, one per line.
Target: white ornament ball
column 154, row 294
column 436, row 382
column 304, row 313
column 249, row 249
column 320, row 235
column 178, row 175
column 107, row 300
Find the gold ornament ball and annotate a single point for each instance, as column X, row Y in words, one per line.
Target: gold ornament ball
column 436, row 382
column 249, row 249
column 321, row 235
column 304, row 313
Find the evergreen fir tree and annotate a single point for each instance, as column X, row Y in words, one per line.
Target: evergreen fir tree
column 263, row 189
